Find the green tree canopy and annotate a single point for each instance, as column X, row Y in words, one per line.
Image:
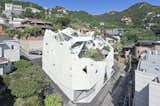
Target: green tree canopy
column 53, row 100
column 22, row 64
column 26, row 81
column 31, row 101
column 134, row 34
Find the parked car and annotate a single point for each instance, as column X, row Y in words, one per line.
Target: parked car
column 35, row 52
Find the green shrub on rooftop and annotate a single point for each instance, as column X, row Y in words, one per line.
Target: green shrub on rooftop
column 95, row 54
column 106, row 48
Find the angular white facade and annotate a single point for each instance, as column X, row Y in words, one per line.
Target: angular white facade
column 79, row 77
column 147, row 80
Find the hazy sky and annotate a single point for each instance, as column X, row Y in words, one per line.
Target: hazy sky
column 92, row 6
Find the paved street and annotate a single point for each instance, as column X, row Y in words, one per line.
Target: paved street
column 35, row 59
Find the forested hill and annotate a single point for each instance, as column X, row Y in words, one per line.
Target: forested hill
column 136, row 13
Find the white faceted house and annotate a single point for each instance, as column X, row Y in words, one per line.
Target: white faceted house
column 79, row 65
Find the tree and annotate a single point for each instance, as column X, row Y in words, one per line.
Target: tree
column 6, row 99
column 19, row 102
column 23, row 87
column 26, row 81
column 107, row 48
column 134, row 34
column 28, row 13
column 53, row 100
column 27, row 31
column 30, row 101
column 22, row 64
column 156, row 29
column 36, row 31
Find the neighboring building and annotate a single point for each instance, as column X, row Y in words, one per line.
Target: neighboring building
column 35, row 23
column 9, row 53
column 147, row 80
column 16, row 21
column 61, row 9
column 11, row 8
column 34, row 10
column 150, row 25
column 145, row 45
column 126, row 20
column 114, row 32
column 101, row 24
column 124, row 53
column 48, row 12
column 77, row 74
column 112, row 39
column 3, row 20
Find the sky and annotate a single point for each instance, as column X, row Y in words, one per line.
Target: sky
column 92, row 6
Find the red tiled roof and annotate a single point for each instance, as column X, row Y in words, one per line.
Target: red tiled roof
column 38, row 21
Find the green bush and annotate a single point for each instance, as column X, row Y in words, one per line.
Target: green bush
column 26, row 81
column 19, row 102
column 95, row 54
column 106, row 48
column 31, row 101
column 53, row 100
column 22, row 64
column 134, row 34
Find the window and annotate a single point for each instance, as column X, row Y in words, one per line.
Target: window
column 156, row 80
column 96, row 71
column 85, row 69
column 66, row 37
column 12, row 47
column 76, row 44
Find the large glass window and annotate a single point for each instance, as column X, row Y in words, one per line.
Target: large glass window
column 76, row 44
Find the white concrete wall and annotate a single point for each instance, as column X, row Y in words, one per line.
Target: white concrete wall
column 1, row 69
column 7, row 67
column 13, row 54
column 154, row 95
column 143, row 91
column 8, row 7
column 28, row 45
column 1, row 50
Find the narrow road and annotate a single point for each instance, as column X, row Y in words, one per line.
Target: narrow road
column 35, row 59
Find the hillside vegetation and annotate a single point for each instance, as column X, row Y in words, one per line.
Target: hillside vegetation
column 137, row 13
column 139, row 20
